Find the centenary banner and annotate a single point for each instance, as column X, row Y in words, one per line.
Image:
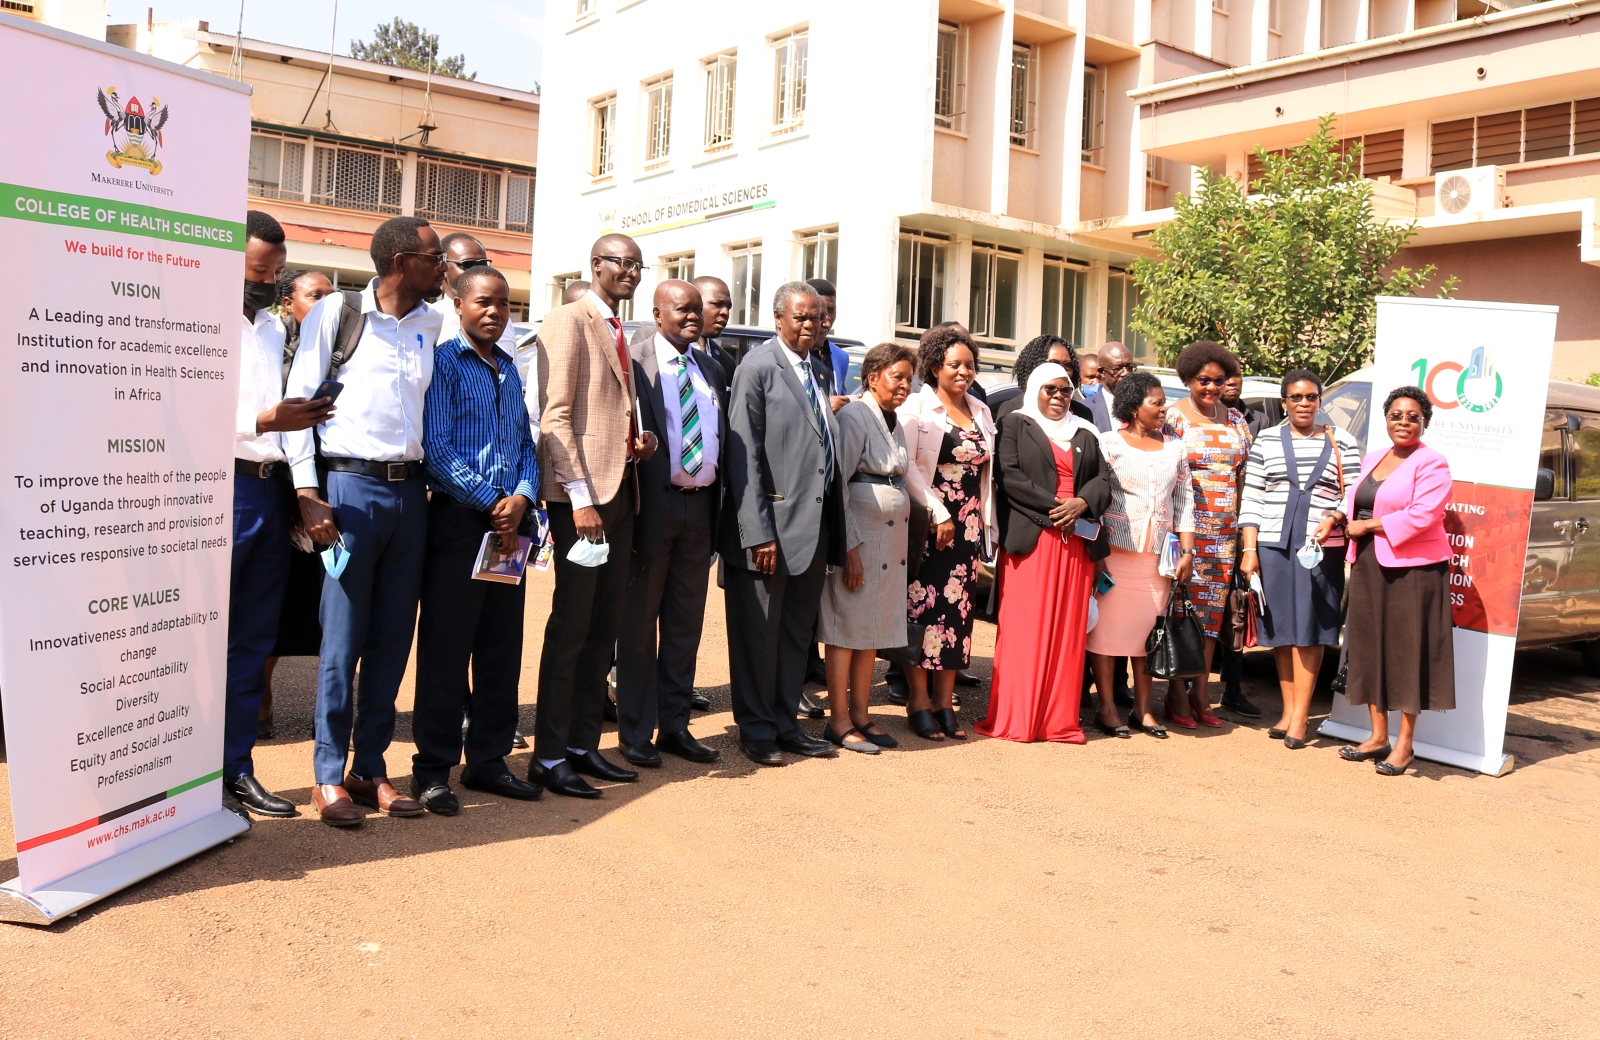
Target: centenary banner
column 122, row 200
column 1486, row 370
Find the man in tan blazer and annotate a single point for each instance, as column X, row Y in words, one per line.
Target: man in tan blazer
column 587, row 452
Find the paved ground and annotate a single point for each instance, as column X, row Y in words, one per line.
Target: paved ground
column 1208, row 886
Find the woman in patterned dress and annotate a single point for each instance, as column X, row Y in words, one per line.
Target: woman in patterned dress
column 950, row 438
column 1217, row 442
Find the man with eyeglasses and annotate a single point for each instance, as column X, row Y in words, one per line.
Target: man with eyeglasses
column 1115, row 361
column 589, row 447
column 367, row 460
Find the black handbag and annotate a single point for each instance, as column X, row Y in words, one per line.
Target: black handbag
column 910, row 655
column 918, row 529
column 1176, row 646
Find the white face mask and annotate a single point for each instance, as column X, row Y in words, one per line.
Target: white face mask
column 1310, row 554
column 585, row 553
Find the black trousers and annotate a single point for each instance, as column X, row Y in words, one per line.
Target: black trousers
column 466, row 625
column 663, row 615
column 585, row 618
column 770, row 623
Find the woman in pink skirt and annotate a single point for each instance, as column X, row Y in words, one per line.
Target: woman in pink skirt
column 1150, row 499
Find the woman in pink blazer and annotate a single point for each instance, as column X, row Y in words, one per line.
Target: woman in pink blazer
column 1398, row 633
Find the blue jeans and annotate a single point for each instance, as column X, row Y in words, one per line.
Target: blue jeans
column 261, row 520
column 368, row 616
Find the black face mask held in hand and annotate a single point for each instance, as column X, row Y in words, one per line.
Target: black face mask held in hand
column 259, row 295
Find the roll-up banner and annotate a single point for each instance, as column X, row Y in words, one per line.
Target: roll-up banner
column 121, row 200
column 1486, row 370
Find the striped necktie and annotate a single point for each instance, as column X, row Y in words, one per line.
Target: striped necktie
column 822, row 420
column 691, row 453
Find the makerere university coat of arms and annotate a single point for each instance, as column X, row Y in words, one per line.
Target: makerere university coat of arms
column 135, row 134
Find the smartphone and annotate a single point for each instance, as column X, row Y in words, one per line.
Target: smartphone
column 330, row 389
column 1088, row 530
column 1103, row 584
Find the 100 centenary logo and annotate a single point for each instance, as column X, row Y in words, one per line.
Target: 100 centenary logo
column 135, row 134
column 1478, row 387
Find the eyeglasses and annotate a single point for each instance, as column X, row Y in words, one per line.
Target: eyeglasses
column 1114, row 369
column 628, row 266
column 1303, row 398
column 1404, row 418
column 436, row 259
column 1056, row 391
column 467, row 265
column 1208, row 381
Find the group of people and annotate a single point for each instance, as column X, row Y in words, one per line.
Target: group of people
column 388, row 435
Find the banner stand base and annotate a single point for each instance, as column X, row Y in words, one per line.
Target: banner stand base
column 71, row 894
column 1489, row 765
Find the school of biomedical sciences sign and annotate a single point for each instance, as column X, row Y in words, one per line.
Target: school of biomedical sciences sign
column 1488, row 421
column 121, row 201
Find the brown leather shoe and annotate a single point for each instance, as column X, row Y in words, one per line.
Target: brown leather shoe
column 335, row 807
column 378, row 793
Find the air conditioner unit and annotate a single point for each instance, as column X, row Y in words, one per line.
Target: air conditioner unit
column 1461, row 193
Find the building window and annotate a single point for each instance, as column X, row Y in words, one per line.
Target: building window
column 950, row 73
column 819, row 254
column 678, row 265
column 355, row 178
column 1093, row 113
column 587, row 8
column 277, row 167
column 657, row 120
column 558, row 286
column 1066, row 288
column 995, row 276
column 519, row 203
column 789, row 82
column 746, row 283
column 1122, row 298
column 603, row 127
column 921, row 279
column 1274, row 18
column 1024, row 69
column 719, row 101
column 458, row 194
column 1521, row 135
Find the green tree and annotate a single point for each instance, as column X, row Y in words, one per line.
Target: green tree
column 405, row 44
column 1287, row 276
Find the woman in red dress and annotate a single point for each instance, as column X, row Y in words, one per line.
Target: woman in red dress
column 1051, row 471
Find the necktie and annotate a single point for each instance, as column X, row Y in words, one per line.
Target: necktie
column 822, row 421
column 691, row 453
column 622, row 358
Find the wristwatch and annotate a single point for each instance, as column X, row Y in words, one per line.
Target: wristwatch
column 1185, row 552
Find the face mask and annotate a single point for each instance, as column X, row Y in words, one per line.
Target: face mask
column 1310, row 554
column 335, row 557
column 585, row 553
column 1091, row 389
column 259, row 295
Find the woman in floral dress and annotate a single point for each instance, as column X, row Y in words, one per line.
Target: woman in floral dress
column 1217, row 442
column 950, row 438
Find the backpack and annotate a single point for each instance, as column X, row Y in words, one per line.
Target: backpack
column 344, row 341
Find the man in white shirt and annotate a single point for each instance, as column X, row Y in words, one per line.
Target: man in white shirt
column 376, row 507
column 263, row 506
column 681, row 401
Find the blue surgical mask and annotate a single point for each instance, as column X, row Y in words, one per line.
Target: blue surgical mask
column 335, row 557
column 585, row 553
column 1310, row 554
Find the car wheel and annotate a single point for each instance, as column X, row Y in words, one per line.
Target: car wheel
column 1591, row 658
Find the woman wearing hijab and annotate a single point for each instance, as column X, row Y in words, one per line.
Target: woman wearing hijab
column 1055, row 491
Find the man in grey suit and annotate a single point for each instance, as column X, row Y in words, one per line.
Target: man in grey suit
column 783, row 525
column 681, row 401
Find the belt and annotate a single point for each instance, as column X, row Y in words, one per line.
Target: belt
column 391, row 471
column 680, row 489
column 879, row 478
column 264, row 470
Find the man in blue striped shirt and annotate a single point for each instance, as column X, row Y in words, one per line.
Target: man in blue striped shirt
column 484, row 477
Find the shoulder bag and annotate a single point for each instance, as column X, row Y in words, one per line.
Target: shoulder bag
column 1176, row 646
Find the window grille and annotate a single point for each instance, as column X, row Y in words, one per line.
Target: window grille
column 658, row 120
column 678, row 265
column 356, row 178
column 1022, row 90
column 1066, row 292
column 819, row 254
column 1520, row 135
column 603, row 116
column 921, row 280
column 950, row 88
column 458, row 194
column 995, row 277
column 277, row 167
column 789, row 82
column 746, row 283
column 519, row 203
column 1092, row 113
column 719, row 100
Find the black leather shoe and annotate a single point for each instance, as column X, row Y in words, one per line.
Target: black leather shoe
column 761, row 752
column 518, row 740
column 250, row 794
column 643, row 754
column 810, row 747
column 895, row 679
column 809, row 709
column 505, row 785
column 592, row 764
column 560, row 779
column 610, row 710
column 1235, row 701
column 698, row 702
column 966, row 678
column 684, row 745
column 436, row 798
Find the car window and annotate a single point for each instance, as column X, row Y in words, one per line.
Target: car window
column 1585, row 457
column 1550, row 451
column 1346, row 407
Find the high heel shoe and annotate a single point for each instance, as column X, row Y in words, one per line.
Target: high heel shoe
column 1155, row 731
column 1202, row 712
column 948, row 723
column 923, row 725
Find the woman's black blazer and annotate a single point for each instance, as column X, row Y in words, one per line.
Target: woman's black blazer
column 1027, row 473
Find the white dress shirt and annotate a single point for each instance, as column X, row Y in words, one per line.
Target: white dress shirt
column 578, row 490
column 808, row 377
column 260, row 387
column 705, row 403
column 379, row 412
